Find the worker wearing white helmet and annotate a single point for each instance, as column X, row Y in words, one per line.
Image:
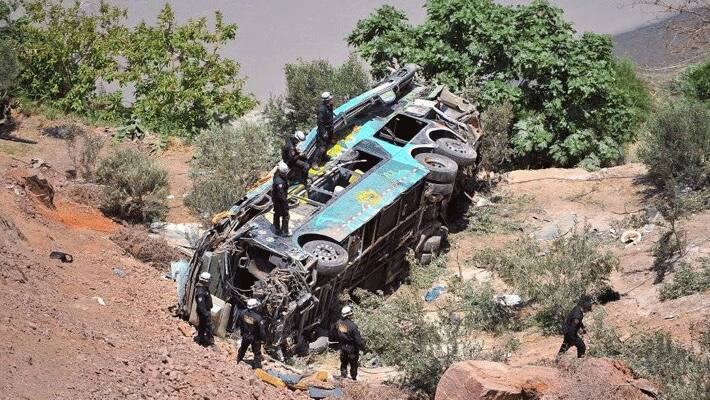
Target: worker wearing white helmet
column 279, row 198
column 203, row 307
column 350, row 343
column 325, row 126
column 296, row 162
column 252, row 328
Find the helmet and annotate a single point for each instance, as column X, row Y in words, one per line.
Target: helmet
column 300, row 136
column 346, row 311
column 252, row 303
column 282, row 167
column 205, row 277
column 326, row 96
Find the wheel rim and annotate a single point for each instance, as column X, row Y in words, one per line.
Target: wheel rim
column 325, row 252
column 457, row 147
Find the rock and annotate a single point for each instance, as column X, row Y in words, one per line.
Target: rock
column 594, row 378
column 42, row 189
column 510, row 300
column 119, row 272
column 557, row 228
column 99, row 300
column 482, row 202
column 471, row 380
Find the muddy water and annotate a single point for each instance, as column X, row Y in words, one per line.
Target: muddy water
column 274, row 32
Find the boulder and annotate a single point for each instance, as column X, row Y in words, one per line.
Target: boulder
column 471, row 380
column 593, row 378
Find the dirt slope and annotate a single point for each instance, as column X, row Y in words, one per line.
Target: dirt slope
column 550, row 202
column 59, row 342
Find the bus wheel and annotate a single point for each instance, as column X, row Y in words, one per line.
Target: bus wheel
column 332, row 257
column 442, row 169
column 462, row 153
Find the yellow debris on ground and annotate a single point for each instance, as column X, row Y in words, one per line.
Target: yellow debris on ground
column 270, row 379
column 220, row 216
column 318, row 379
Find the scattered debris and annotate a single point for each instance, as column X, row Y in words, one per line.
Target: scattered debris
column 557, row 228
column 319, row 345
column 62, row 131
column 99, row 300
column 179, row 235
column 185, row 329
column 63, row 257
column 631, row 237
column 509, row 300
column 40, row 188
column 270, row 379
column 119, row 272
column 648, row 228
column 482, row 202
column 140, row 245
column 38, row 163
column 317, row 393
column 434, row 293
column 178, row 273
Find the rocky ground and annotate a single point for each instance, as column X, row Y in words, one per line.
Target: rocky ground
column 103, row 326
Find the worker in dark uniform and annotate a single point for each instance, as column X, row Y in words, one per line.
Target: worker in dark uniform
column 279, row 197
column 253, row 330
column 203, row 307
column 325, row 126
column 350, row 343
column 294, row 160
column 573, row 323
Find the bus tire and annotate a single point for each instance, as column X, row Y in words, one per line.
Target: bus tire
column 332, row 258
column 442, row 169
column 462, row 153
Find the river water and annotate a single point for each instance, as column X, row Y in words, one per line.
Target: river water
column 274, row 32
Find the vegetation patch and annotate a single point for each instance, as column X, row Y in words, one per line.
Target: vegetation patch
column 574, row 103
column 687, row 281
column 138, row 243
column 134, row 187
column 555, row 277
column 228, row 161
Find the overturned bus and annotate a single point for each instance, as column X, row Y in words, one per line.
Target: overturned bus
column 381, row 192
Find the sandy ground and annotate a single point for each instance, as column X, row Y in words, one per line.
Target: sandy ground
column 556, row 198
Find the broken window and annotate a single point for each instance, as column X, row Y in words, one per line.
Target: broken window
column 400, row 129
column 350, row 169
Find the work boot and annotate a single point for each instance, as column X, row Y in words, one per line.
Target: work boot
column 284, row 227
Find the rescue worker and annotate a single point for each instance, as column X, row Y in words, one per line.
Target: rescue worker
column 350, row 343
column 279, row 197
column 573, row 323
column 294, row 160
column 325, row 126
column 253, row 330
column 204, row 306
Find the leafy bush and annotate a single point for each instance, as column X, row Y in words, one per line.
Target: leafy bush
column 399, row 330
column 154, row 251
column 555, row 277
column 179, row 80
column 305, row 81
column 481, row 310
column 227, row 162
column 84, row 149
column 182, row 83
column 135, row 189
column 677, row 145
column 573, row 105
column 687, row 281
column 683, row 373
column 495, row 151
column 695, row 81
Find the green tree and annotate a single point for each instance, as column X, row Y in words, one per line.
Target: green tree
column 181, row 81
column 571, row 105
column 695, row 81
column 64, row 51
column 305, row 81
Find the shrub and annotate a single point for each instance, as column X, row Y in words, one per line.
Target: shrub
column 687, row 281
column 677, row 145
column 227, row 162
column 495, row 151
column 154, row 251
column 481, row 310
column 84, row 149
column 695, row 81
column 683, row 373
column 400, row 332
column 555, row 277
column 135, row 189
column 573, row 105
column 305, row 81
